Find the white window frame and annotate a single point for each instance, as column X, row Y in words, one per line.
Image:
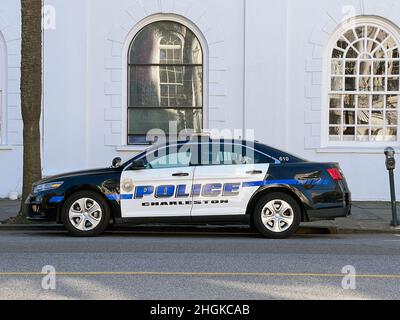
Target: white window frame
column 132, row 34
column 3, row 91
column 391, row 29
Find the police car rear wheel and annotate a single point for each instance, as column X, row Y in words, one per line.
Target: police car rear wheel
column 86, row 214
column 277, row 215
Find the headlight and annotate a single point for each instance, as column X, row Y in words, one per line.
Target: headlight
column 47, row 186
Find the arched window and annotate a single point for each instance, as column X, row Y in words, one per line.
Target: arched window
column 364, row 83
column 165, row 81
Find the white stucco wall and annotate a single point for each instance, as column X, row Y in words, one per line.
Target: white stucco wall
column 10, row 145
column 265, row 72
column 65, row 118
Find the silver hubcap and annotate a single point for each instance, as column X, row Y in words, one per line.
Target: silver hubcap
column 85, row 214
column 277, row 216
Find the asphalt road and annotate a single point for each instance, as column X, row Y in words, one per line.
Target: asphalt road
column 202, row 265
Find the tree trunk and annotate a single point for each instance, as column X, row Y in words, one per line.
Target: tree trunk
column 31, row 93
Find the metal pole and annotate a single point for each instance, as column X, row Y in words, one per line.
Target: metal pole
column 395, row 221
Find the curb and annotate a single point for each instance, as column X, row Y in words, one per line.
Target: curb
column 366, row 231
column 316, row 230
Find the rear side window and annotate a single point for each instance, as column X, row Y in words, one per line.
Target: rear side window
column 231, row 154
column 261, row 158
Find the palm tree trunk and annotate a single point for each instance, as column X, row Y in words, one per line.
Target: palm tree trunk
column 31, row 93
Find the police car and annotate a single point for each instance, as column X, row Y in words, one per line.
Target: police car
column 196, row 182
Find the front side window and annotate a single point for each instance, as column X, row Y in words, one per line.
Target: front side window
column 364, row 85
column 165, row 81
column 170, row 157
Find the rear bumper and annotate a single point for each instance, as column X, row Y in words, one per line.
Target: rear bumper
column 329, row 213
column 329, row 204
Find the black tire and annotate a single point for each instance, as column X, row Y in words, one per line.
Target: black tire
column 295, row 213
column 103, row 220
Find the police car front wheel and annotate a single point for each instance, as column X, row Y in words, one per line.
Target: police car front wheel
column 277, row 215
column 86, row 214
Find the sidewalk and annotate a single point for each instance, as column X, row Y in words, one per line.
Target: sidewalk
column 8, row 209
column 366, row 217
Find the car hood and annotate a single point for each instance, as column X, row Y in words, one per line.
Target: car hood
column 60, row 177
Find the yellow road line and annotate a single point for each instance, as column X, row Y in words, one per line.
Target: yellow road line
column 202, row 274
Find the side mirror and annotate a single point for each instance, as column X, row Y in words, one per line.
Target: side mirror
column 138, row 165
column 116, row 163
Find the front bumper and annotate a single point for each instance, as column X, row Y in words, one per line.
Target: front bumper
column 42, row 207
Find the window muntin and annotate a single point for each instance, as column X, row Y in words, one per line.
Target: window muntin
column 165, row 80
column 364, row 86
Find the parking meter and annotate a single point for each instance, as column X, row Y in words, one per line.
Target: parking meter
column 390, row 160
column 390, row 166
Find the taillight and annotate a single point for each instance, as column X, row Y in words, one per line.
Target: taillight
column 335, row 174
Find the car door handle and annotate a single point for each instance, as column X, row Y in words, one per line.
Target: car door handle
column 180, row 174
column 254, row 172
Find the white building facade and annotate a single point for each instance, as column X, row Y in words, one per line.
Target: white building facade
column 319, row 79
